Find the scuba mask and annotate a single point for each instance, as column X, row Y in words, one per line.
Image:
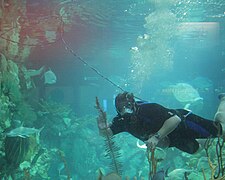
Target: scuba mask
column 125, row 103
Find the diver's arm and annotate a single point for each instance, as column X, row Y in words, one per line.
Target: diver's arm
column 104, row 128
column 168, row 126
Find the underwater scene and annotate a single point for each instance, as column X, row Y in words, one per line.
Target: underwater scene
column 112, row 89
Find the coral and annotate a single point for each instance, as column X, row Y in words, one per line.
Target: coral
column 13, row 104
column 16, row 148
column 41, row 167
column 3, row 63
column 9, row 80
column 56, row 117
column 26, row 113
column 37, row 166
column 112, row 150
column 217, row 165
column 13, row 107
column 62, row 157
column 4, row 112
column 56, row 109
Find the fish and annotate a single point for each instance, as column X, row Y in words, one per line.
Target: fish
column 23, row 132
column 110, row 176
column 179, row 173
column 50, row 77
column 32, row 72
column 160, row 175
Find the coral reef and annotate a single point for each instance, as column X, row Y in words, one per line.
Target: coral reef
column 57, row 118
column 14, row 111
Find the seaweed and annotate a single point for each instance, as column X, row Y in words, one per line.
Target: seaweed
column 16, row 149
column 56, row 117
column 218, row 168
column 153, row 160
column 112, row 150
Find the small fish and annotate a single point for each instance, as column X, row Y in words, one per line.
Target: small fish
column 50, row 77
column 160, row 175
column 180, row 173
column 23, row 132
column 110, row 176
column 33, row 72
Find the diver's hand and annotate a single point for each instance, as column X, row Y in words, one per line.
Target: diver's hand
column 152, row 142
column 101, row 124
column 103, row 128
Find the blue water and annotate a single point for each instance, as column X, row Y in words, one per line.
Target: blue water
column 146, row 48
column 170, row 52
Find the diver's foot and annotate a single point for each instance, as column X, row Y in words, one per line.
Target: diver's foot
column 222, row 131
column 221, row 96
column 220, row 119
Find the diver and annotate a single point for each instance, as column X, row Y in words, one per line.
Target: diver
column 159, row 126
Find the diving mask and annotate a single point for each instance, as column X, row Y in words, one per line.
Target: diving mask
column 125, row 103
column 126, row 110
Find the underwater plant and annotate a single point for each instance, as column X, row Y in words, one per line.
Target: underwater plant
column 218, row 166
column 16, row 149
column 14, row 111
column 153, row 160
column 10, row 91
column 62, row 157
column 56, row 117
column 112, row 150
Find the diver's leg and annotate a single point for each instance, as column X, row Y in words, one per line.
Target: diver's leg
column 220, row 114
column 190, row 146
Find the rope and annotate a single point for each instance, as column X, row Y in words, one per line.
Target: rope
column 87, row 64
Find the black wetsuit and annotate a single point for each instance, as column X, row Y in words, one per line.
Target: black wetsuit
column 149, row 118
